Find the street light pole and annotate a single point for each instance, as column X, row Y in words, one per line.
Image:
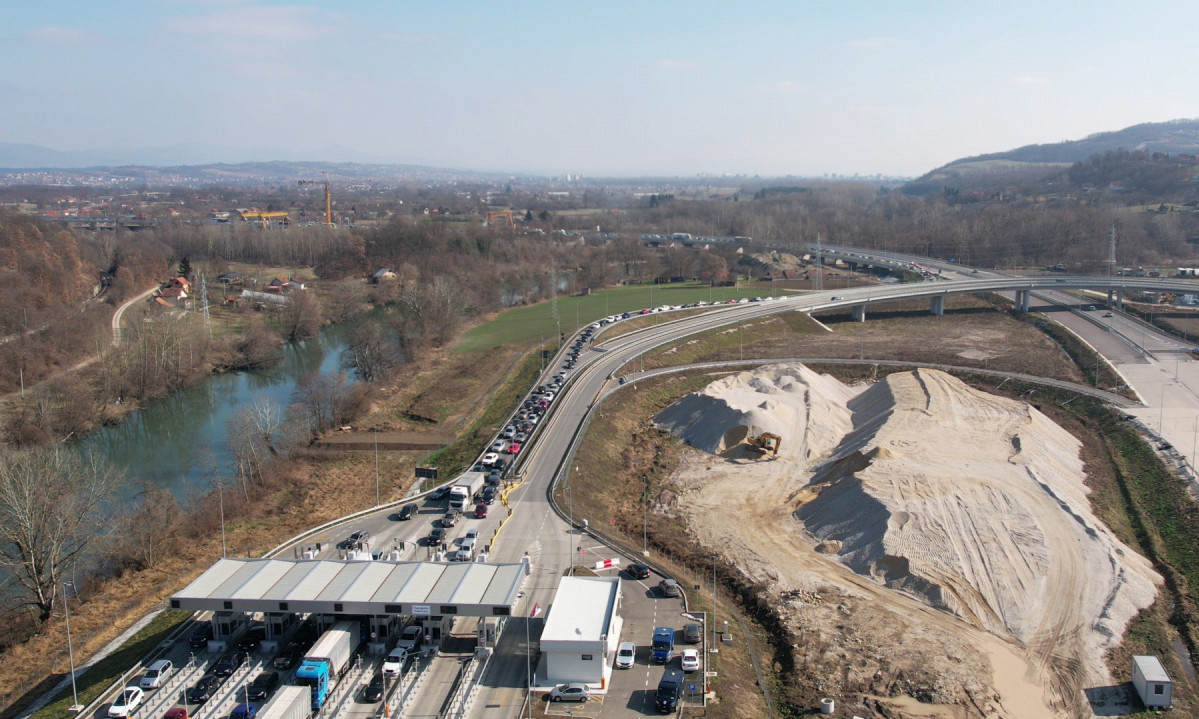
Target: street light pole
column 66, row 608
column 376, row 433
column 221, row 493
column 570, row 498
column 645, row 519
column 715, row 649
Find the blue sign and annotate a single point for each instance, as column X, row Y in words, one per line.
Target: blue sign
column 691, row 687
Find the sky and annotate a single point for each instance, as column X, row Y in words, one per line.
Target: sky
column 795, row 87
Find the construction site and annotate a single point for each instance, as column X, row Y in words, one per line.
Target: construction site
column 931, row 546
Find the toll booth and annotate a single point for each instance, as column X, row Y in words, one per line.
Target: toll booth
column 226, row 626
column 278, row 624
column 382, row 628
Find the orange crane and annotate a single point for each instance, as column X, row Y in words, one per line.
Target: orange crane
column 507, row 214
column 347, row 181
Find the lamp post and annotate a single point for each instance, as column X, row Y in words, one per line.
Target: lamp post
column 715, row 649
column 570, row 498
column 66, row 608
column 375, row 432
column 645, row 516
column 221, row 492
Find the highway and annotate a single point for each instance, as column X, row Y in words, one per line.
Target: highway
column 529, row 525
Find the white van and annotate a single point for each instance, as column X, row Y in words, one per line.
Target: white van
column 156, row 674
column 625, row 654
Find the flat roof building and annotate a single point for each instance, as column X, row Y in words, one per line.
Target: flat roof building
column 582, row 629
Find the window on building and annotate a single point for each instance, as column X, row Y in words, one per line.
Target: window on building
column 1159, row 688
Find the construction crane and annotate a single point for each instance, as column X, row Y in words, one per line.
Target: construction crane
column 347, row 181
column 506, row 214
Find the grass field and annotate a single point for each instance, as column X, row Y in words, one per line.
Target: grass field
column 534, row 324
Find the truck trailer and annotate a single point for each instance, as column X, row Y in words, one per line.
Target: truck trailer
column 288, row 703
column 327, row 660
column 463, row 492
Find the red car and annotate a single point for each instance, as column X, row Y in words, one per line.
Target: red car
column 480, row 511
column 175, row 713
column 514, row 448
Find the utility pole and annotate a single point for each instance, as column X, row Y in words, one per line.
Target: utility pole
column 819, row 265
column 554, row 299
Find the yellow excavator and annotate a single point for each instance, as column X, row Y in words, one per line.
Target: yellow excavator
column 765, row 442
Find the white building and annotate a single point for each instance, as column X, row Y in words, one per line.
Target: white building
column 1152, row 682
column 582, row 629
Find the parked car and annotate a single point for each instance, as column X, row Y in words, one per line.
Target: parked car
column 480, row 511
column 626, row 654
column 200, row 635
column 244, row 711
column 203, row 690
column 407, row 511
column 394, row 663
column 227, row 664
column 374, row 691
column 126, row 702
column 262, row 686
column 669, row 588
column 691, row 633
column 156, row 674
column 637, row 570
column 573, row 692
column 689, row 660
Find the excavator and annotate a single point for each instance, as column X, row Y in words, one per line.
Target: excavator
column 765, row 442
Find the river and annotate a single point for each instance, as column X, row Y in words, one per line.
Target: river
column 180, row 442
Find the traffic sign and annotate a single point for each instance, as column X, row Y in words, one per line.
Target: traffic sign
column 691, row 687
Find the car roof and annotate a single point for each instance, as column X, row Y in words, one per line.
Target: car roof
column 397, row 652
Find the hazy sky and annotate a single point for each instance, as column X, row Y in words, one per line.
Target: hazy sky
column 599, row 88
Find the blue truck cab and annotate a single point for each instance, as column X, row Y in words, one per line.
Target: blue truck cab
column 663, row 644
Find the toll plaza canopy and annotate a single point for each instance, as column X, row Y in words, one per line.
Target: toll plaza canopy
column 473, row 589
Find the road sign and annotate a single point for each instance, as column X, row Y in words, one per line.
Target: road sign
column 691, row 687
column 426, row 473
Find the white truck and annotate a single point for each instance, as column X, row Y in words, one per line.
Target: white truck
column 463, row 492
column 288, row 703
column 328, row 660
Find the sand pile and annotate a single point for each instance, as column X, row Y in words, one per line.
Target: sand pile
column 966, row 501
column 806, row 409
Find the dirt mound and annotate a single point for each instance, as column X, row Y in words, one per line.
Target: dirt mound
column 975, row 504
column 783, row 399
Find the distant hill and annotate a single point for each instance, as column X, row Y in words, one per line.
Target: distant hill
column 1034, row 162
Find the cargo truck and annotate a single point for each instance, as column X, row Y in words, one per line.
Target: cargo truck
column 463, row 492
column 288, row 703
column 663, row 644
column 328, row 660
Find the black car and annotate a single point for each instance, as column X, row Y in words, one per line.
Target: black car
column 262, row 686
column 691, row 633
column 203, row 690
column 373, row 691
column 439, row 493
column 407, row 511
column 252, row 639
column 200, row 635
column 436, row 537
column 288, row 658
column 638, row 571
column 227, row 664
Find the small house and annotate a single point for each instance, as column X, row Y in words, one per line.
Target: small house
column 1151, row 681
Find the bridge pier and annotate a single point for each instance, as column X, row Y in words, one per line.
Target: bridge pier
column 1118, row 294
column 858, row 312
column 938, row 305
column 1022, row 299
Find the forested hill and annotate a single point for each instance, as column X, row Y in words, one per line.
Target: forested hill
column 1033, row 162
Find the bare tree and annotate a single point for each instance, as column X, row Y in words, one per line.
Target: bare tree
column 152, row 527
column 252, row 437
column 50, row 512
column 371, row 352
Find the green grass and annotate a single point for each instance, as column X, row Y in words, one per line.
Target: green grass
column 470, row 443
column 534, row 324
column 107, row 670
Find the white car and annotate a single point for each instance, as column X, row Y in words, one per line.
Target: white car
column 626, row 654
column 409, row 638
column 690, row 660
column 126, row 702
column 394, row 662
column 490, row 459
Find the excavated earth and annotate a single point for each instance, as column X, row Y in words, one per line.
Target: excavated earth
column 931, row 545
